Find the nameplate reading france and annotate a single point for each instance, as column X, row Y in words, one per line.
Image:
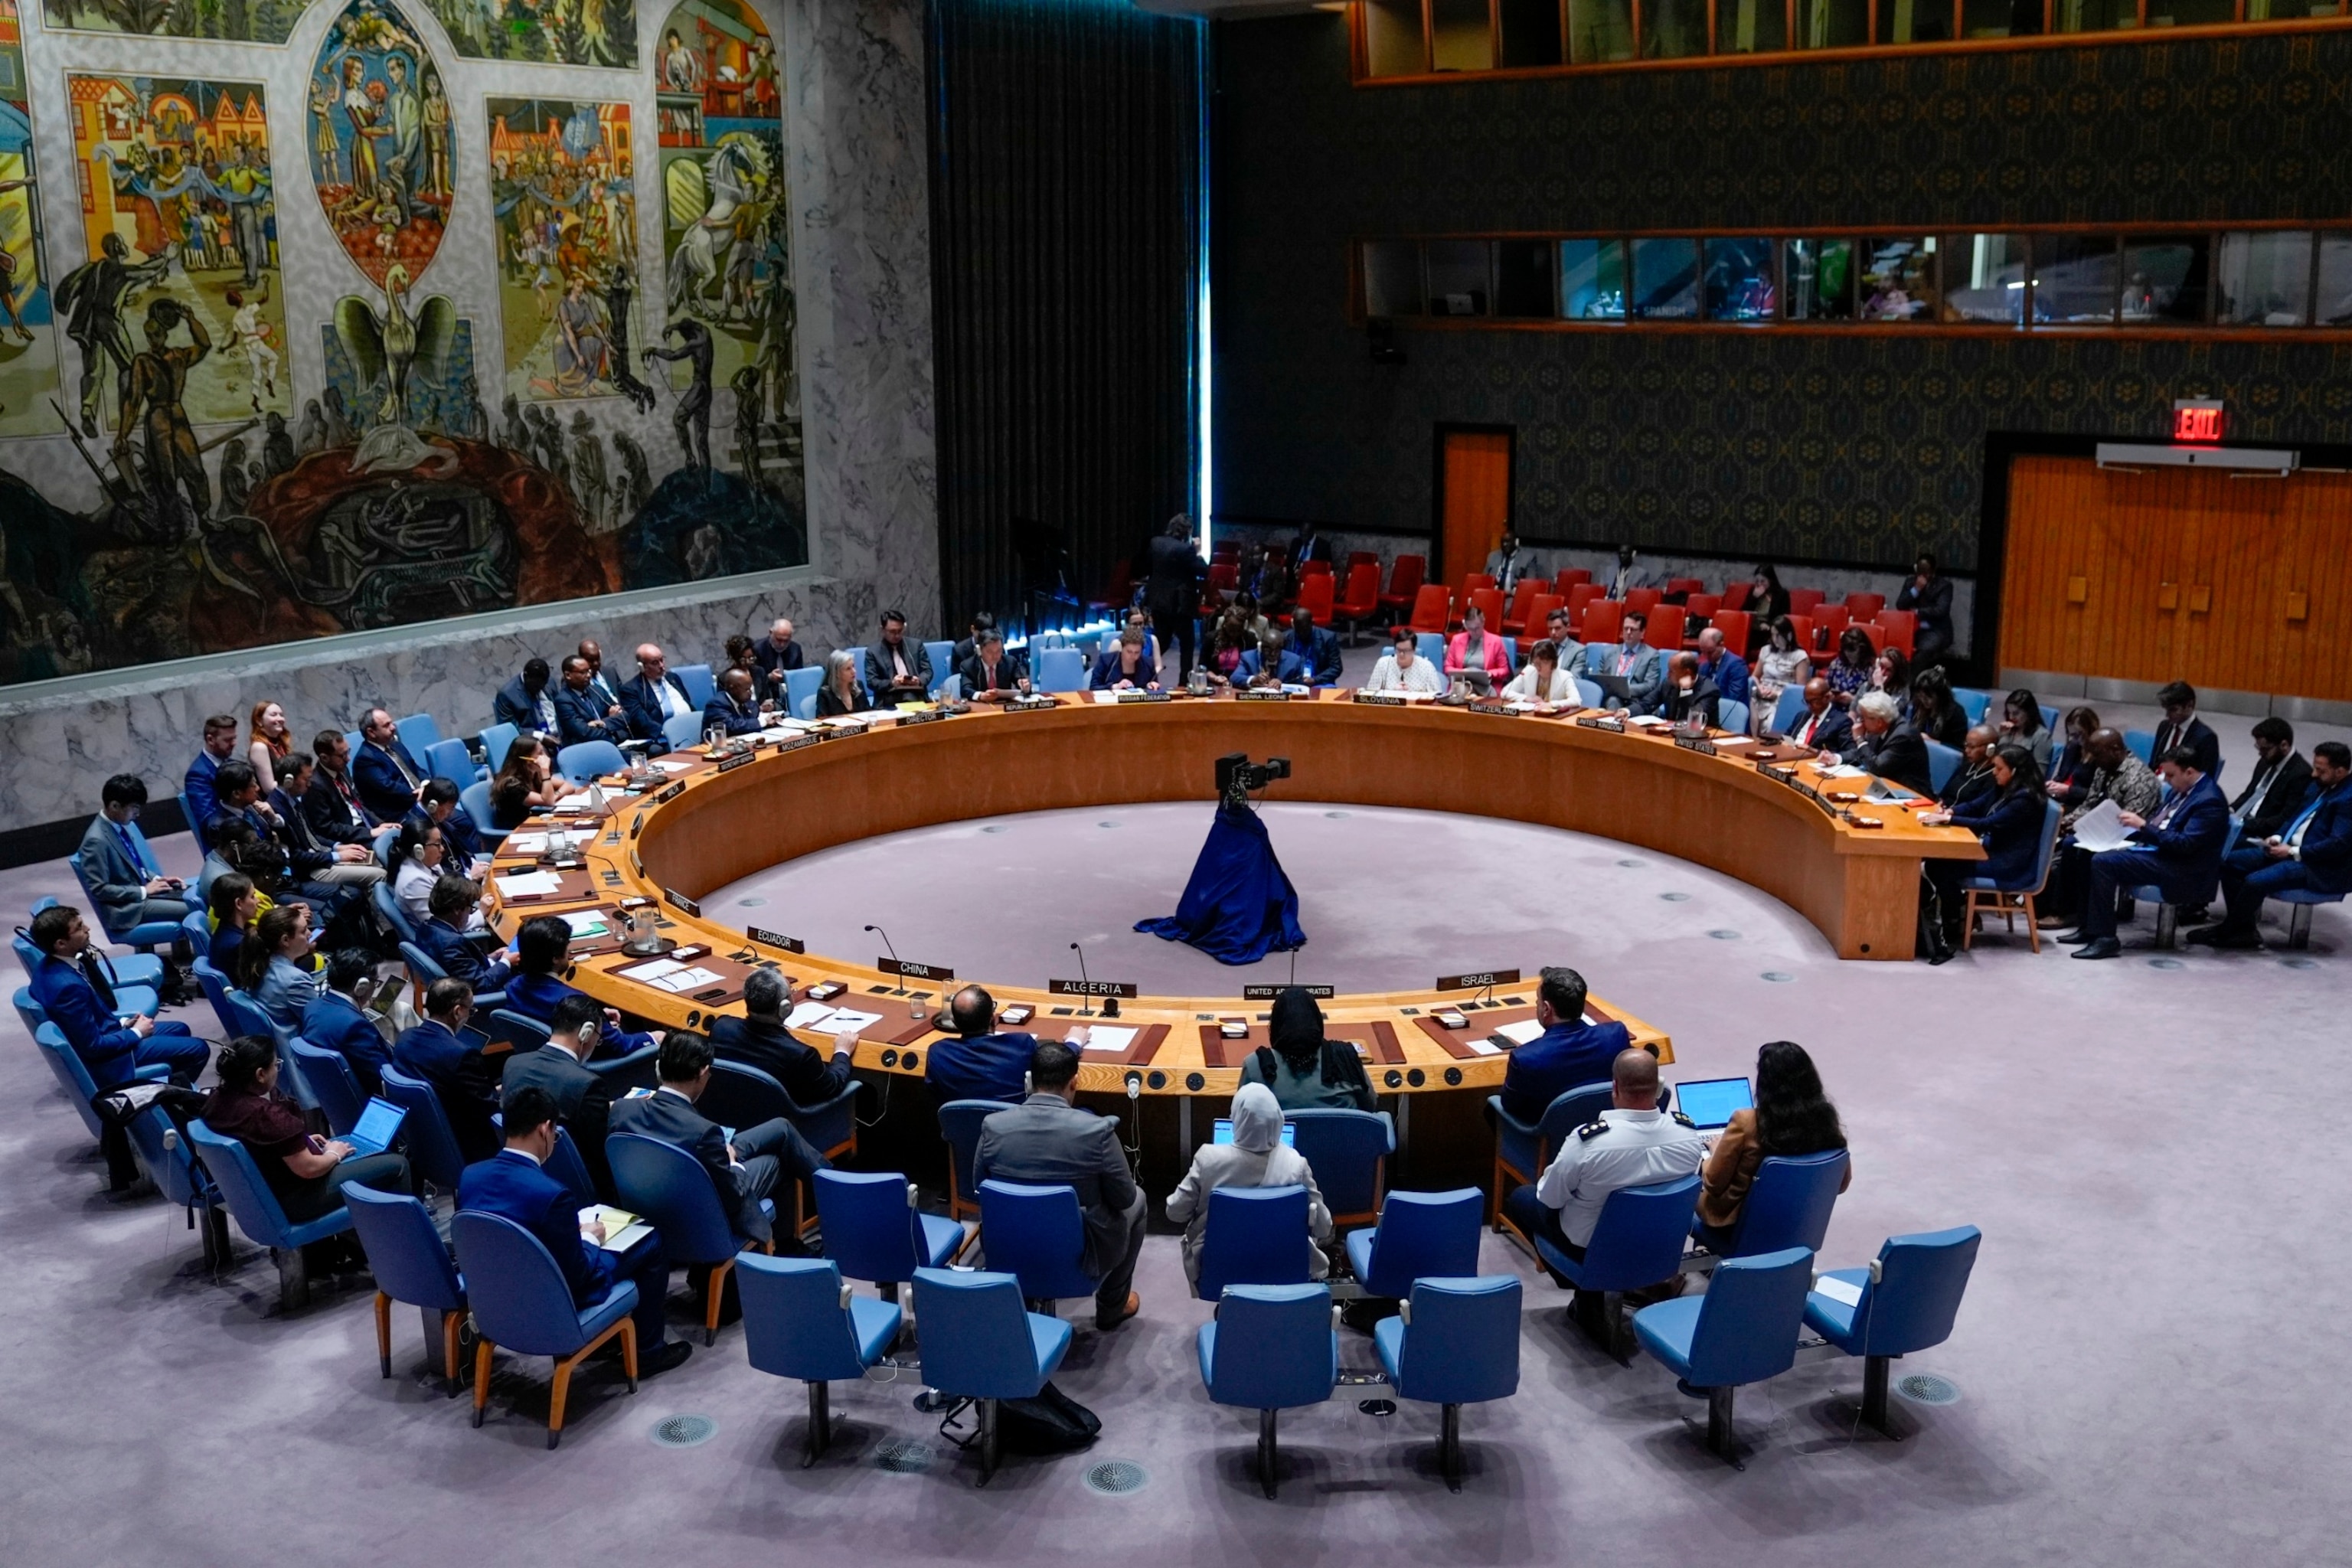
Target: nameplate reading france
column 1268, row 992
column 679, row 900
column 1089, row 988
column 908, row 969
column 776, row 940
column 1478, row 980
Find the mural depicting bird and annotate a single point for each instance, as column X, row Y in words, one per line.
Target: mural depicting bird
column 390, row 348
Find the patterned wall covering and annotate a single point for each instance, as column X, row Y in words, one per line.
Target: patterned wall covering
column 1858, row 449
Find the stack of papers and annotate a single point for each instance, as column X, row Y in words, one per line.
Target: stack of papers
column 1520, row 1033
column 622, row 1230
column 1110, row 1038
column 668, row 766
column 524, row 844
column 1845, row 771
column 819, row 1017
column 587, row 922
column 1482, row 1047
column 575, row 805
column 666, row 974
column 1840, row 1290
column 529, row 885
column 1649, row 720
column 2102, row 827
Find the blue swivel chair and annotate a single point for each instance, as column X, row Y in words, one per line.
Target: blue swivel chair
column 1637, row 1241
column 1453, row 1342
column 188, row 815
column 518, row 1298
column 1061, row 669
column 420, row 733
column 2141, row 745
column 942, row 655
column 496, row 740
column 1910, row 1294
column 1348, row 1151
column 741, row 1095
column 1255, row 1235
column 1271, row 1348
column 525, row 1031
column 1731, row 714
column 800, row 688
column 380, row 895
column 197, row 929
column 2300, row 901
column 589, row 760
column 802, row 1321
column 450, row 760
column 682, row 729
column 1974, row 703
column 980, row 1343
column 1942, row 764
column 637, row 1070
column 1790, row 711
column 960, row 1122
column 432, row 1143
column 873, row 1230
column 146, row 969
column 1983, row 895
column 73, row 1073
column 410, row 1263
column 136, row 977
column 1037, row 1235
column 246, row 1193
column 29, row 1012
column 424, row 969
column 1591, row 696
column 475, row 801
column 173, row 1170
column 1420, row 1235
column 332, row 1082
column 1787, row 1205
column 1744, row 1330
column 701, row 687
column 569, row 1167
column 670, row 1187
column 1523, row 1150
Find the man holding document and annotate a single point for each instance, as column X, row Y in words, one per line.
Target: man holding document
column 2179, row 850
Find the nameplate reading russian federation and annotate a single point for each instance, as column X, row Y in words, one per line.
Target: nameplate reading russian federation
column 908, row 969
column 1089, row 988
column 1143, row 697
column 776, row 940
column 680, row 901
column 1478, row 980
column 1268, row 992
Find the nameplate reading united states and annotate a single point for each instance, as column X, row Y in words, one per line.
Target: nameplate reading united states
column 908, row 969
column 1089, row 988
column 1478, row 980
column 776, row 940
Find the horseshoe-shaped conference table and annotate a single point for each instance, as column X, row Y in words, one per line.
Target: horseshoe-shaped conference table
column 1775, row 822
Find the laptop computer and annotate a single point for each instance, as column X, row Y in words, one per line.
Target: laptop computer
column 1614, row 686
column 1710, row 1101
column 1222, row 1133
column 379, row 1124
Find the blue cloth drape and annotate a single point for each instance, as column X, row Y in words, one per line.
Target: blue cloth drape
column 1239, row 905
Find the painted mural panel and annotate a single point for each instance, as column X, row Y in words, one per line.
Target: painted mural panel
column 179, row 230
column 237, row 21
column 381, row 137
column 563, row 183
column 551, row 32
column 29, row 347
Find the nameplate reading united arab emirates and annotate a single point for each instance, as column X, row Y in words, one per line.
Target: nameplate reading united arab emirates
column 1089, row 988
column 1268, row 992
column 1478, row 980
column 679, row 900
column 908, row 969
column 776, row 940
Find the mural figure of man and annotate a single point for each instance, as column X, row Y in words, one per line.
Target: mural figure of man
column 620, row 287
column 405, row 149
column 159, row 380
column 588, row 471
column 91, row 299
column 750, row 411
column 249, row 185
column 692, row 419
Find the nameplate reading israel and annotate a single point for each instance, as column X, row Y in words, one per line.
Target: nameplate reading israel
column 1478, row 980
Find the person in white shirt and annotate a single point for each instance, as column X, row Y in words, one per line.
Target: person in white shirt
column 1541, row 679
column 1630, row 1146
column 1401, row 668
column 1782, row 665
column 1257, row 1157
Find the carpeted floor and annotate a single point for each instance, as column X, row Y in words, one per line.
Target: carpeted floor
column 2146, row 1360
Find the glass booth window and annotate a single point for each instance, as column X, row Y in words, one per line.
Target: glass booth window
column 1833, row 23
column 1915, row 21
column 1665, row 279
column 1592, row 279
column 1819, row 279
column 1523, row 277
column 2190, row 13
column 2166, row 279
column 2262, row 279
column 2074, row 280
column 1751, row 27
column 2333, row 305
column 2000, row 18
column 1673, row 29
column 1600, row 32
column 1460, row 36
column 1391, row 278
column 1984, row 276
column 1897, row 282
column 1392, row 40
column 1531, row 33
column 1739, row 284
column 1461, row 277
column 2094, row 15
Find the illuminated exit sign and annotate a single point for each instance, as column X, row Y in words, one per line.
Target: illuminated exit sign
column 2197, row 419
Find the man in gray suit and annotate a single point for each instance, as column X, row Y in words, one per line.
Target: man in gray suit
column 125, row 883
column 743, row 1169
column 1510, row 562
column 1047, row 1141
column 1633, row 661
column 896, row 670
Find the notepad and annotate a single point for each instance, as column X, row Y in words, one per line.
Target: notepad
column 1840, row 1290
column 1482, row 1047
column 575, row 805
column 587, row 922
column 1520, row 1033
column 524, row 844
column 667, row 766
column 1109, row 1039
column 529, row 885
column 818, row 1017
column 622, row 1230
column 659, row 969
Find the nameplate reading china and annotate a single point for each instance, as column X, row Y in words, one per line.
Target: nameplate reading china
column 1262, row 695
column 1614, row 726
column 1089, row 988
column 732, row 764
column 1268, row 992
column 776, row 940
column 1478, row 980
column 909, row 970
column 1379, row 699
column 679, row 900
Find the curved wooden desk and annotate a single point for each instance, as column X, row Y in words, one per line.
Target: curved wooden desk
column 1857, row 884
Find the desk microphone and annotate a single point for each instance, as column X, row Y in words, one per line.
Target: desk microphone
column 885, row 935
column 1088, row 1010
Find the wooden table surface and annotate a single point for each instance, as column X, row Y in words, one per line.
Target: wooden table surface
column 1857, row 883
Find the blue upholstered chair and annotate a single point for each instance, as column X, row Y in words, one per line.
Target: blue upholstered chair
column 380, row 895
column 1942, row 764
column 197, row 929
column 569, row 1168
column 1060, row 669
column 1790, row 711
column 171, row 1166
column 247, row 1194
column 1587, row 693
column 432, row 1143
column 1420, row 1235
column 1787, row 1205
column 1909, row 1296
column 2300, row 901
column 518, row 1298
column 637, row 1070
column 136, row 977
column 682, row 729
column 1522, row 1151
column 589, row 760
column 800, row 688
column 1731, row 714
column 475, row 801
column 495, row 739
column 1271, row 1348
column 1983, row 895
column 450, row 760
column 520, row 1030
column 29, row 1012
column 1974, row 703
column 741, row 1095
column 424, row 969
column 942, row 655
column 700, row 685
column 1743, row 1331
column 670, row 1187
column 2142, row 744
column 873, row 1230
column 980, row 1343
column 333, row 1084
column 73, row 1073
column 146, row 935
column 1037, row 1235
column 960, row 1122
column 800, row 1320
column 420, row 733
column 412, row 1265
column 1255, row 1235
column 1453, row 1342
column 1348, row 1151
column 1637, row 1241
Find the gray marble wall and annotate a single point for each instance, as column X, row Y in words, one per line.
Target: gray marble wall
column 856, row 113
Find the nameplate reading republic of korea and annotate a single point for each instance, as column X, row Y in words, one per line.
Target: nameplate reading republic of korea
column 776, row 940
column 1089, row 988
column 679, row 900
column 1030, row 704
column 1268, row 992
column 908, row 969
column 1478, row 980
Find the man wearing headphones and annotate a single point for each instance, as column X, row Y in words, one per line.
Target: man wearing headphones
column 583, row 1100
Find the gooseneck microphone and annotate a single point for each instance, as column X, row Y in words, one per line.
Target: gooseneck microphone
column 885, row 935
column 1086, row 1011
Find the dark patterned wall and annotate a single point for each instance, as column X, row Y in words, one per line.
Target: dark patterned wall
column 1805, row 445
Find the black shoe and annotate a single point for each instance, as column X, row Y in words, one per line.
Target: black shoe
column 663, row 1357
column 2103, row 947
column 2074, row 938
column 1106, row 1321
column 2222, row 936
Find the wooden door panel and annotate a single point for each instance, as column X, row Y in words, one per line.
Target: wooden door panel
column 1474, row 480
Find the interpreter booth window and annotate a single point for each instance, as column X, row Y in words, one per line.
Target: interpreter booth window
column 1461, row 277
column 2291, row 10
column 1751, row 27
column 1739, row 282
column 1666, row 280
column 2094, row 15
column 1819, row 276
column 1984, row 277
column 1600, row 32
column 1531, row 33
column 1523, row 280
column 2334, row 308
column 1393, row 278
column 2074, row 280
column 1673, row 29
column 2190, row 13
column 2000, row 18
column 2262, row 279
column 2167, row 279
column 1915, row 21
column 1897, row 282
column 1833, row 23
column 1592, row 279
column 1392, row 39
column 1460, row 36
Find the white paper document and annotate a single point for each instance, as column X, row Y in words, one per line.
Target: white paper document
column 622, row 1230
column 1104, row 695
column 1845, row 771
column 524, row 844
column 1840, row 1290
column 659, row 969
column 2102, row 827
column 529, row 885
column 587, row 922
column 820, row 1017
column 667, row 766
column 1484, row 1048
column 1109, row 1039
column 575, row 805
column 1520, row 1033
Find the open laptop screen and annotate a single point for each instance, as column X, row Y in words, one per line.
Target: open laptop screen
column 1222, row 1133
column 1710, row 1101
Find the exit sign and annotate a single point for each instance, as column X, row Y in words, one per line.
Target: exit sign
column 2197, row 419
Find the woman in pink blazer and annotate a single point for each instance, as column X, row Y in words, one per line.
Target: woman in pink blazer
column 1489, row 656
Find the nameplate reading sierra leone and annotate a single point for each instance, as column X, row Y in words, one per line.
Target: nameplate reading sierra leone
column 776, row 940
column 679, row 900
column 1089, row 988
column 1478, row 980
column 908, row 969
column 1268, row 695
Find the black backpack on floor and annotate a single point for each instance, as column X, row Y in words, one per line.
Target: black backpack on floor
column 1052, row 1422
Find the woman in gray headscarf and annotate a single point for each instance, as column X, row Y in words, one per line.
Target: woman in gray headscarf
column 1257, row 1157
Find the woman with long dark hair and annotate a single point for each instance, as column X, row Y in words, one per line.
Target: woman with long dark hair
column 1792, row 1116
column 1849, row 673
column 1936, row 713
column 1305, row 1071
column 2007, row 819
column 1767, row 600
column 2070, row 772
column 2021, row 721
column 307, row 1171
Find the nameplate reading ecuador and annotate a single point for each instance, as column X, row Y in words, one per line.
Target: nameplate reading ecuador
column 679, row 900
column 732, row 764
column 908, row 969
column 1089, row 988
column 776, row 940
column 1268, row 992
column 1478, row 980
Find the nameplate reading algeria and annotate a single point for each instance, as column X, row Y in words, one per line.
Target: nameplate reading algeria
column 1090, row 988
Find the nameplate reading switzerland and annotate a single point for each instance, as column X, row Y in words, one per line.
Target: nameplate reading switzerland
column 679, row 900
column 776, row 940
column 1268, row 992
column 1478, row 980
column 908, row 969
column 1089, row 988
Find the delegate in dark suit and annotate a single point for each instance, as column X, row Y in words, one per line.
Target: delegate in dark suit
column 2273, row 797
column 336, row 812
column 2181, row 856
column 769, row 662
column 117, row 865
column 535, row 997
column 2320, row 839
column 583, row 1102
column 1048, row 1142
column 517, row 706
column 577, row 718
column 1932, row 638
column 1828, row 731
column 204, row 798
column 723, row 713
column 1568, row 1054
column 882, row 668
column 460, row 1080
column 511, row 1186
column 1897, row 755
column 1108, row 672
column 2197, row 735
column 765, row 1151
column 1173, row 593
column 808, row 1079
column 387, row 779
column 1321, row 658
column 331, row 1022
column 460, row 957
column 1702, row 701
column 1288, row 669
column 644, row 708
column 980, row 1066
column 1006, row 676
column 111, row 1051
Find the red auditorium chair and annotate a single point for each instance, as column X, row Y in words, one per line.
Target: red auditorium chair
column 1315, row 596
column 1539, row 609
column 1663, row 629
column 1864, row 606
column 1116, row 596
column 1829, row 625
column 1224, row 576
column 1735, row 595
column 1515, row 619
column 1362, row 600
column 1364, row 558
column 1803, row 626
column 1733, row 624
column 1567, row 578
column 1488, row 602
column 1685, row 586
column 1578, row 596
column 1802, row 600
column 1642, row 599
column 1602, row 620
column 1702, row 605
column 1900, row 627
column 1433, row 609
column 1476, row 581
column 1316, row 569
column 1404, row 583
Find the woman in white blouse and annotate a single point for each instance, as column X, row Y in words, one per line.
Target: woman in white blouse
column 1541, row 679
column 1401, row 668
column 1782, row 664
column 416, row 856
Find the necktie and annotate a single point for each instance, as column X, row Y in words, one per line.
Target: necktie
column 2293, row 835
column 400, row 762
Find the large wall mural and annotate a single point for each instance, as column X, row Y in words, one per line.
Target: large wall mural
column 28, row 349
column 234, row 21
column 380, row 142
column 552, row 32
column 563, row 182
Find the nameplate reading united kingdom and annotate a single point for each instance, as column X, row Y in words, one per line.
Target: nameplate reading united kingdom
column 776, row 940
column 679, row 900
column 1268, row 992
column 1614, row 726
column 1089, row 988
column 908, row 969
column 1478, row 980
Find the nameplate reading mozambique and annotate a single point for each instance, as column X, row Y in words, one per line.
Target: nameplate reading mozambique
column 1614, row 726
column 1089, row 988
column 908, row 969
column 732, row 764
column 1268, row 992
column 799, row 742
column 679, row 900
column 776, row 940
column 1379, row 699
column 933, row 717
column 1261, row 696
column 1478, row 980
column 1699, row 744
column 1143, row 697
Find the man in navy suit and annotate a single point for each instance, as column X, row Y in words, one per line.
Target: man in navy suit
column 525, row 702
column 2312, row 851
column 579, row 717
column 583, row 1100
column 512, row 1186
column 1318, row 649
column 125, row 883
column 533, row 990
column 1568, row 1054
column 333, row 806
column 601, row 686
column 733, row 707
column 2184, row 842
column 461, row 1080
column 338, row 1019
column 759, row 1039
column 979, row 1063
column 112, row 1049
column 1824, row 725
column 220, row 744
column 2181, row 727
column 653, row 696
column 1271, row 663
column 387, row 776
column 443, row 937
column 743, row 1169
